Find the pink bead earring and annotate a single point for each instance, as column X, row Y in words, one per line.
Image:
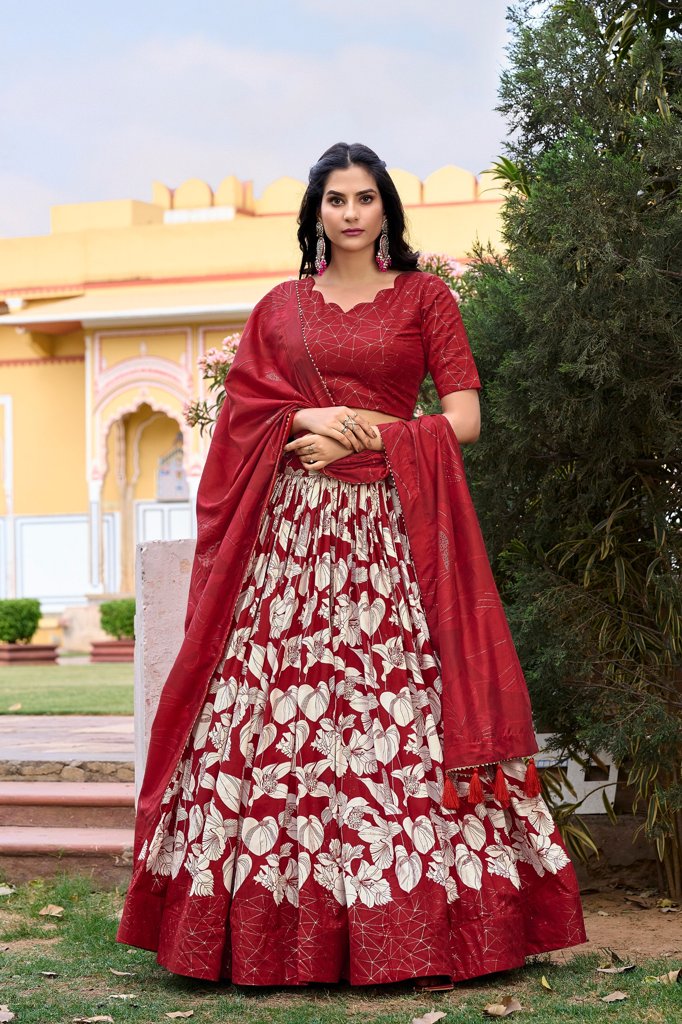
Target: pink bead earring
column 320, row 261
column 382, row 257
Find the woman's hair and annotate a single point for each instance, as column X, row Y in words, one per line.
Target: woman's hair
column 340, row 156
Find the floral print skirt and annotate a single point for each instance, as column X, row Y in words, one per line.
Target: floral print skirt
column 301, row 837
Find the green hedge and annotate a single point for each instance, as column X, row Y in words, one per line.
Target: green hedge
column 118, row 617
column 19, row 618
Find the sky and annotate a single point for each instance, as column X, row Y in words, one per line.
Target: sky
column 99, row 100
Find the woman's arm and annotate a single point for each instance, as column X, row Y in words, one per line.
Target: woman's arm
column 462, row 409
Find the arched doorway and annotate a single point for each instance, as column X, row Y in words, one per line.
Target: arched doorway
column 145, row 484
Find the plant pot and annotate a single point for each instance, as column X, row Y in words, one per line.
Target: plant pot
column 28, row 654
column 112, row 650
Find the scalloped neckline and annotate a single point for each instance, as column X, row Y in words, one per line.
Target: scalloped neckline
column 365, row 302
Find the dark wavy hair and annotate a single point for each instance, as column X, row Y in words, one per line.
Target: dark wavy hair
column 340, row 156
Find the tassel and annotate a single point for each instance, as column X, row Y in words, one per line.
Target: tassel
column 532, row 786
column 475, row 788
column 500, row 790
column 450, row 795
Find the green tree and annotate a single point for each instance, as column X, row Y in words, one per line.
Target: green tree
column 576, row 332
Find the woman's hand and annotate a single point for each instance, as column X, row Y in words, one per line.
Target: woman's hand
column 339, row 423
column 316, row 451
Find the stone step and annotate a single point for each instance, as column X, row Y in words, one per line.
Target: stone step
column 67, row 804
column 31, row 852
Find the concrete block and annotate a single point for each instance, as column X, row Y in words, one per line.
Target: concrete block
column 588, row 784
column 162, row 575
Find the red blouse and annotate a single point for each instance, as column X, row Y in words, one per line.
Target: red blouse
column 376, row 354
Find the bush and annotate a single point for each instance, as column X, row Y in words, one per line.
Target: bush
column 118, row 618
column 19, row 618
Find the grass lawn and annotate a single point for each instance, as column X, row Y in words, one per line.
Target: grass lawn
column 81, row 950
column 67, row 689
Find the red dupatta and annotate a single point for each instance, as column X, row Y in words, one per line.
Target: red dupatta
column 486, row 710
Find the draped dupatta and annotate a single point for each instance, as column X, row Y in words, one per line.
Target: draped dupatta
column 486, row 710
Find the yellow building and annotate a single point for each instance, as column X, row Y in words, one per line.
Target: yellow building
column 101, row 325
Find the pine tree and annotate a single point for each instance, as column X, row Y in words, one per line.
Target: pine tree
column 576, row 330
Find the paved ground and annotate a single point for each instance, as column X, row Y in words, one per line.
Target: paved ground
column 66, row 737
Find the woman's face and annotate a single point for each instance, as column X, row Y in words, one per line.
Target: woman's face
column 351, row 202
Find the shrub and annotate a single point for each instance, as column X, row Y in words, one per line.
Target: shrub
column 118, row 618
column 19, row 618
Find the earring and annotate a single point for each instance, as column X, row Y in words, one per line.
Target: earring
column 320, row 261
column 382, row 256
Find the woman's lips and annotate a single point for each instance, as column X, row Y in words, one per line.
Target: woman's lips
column 353, row 231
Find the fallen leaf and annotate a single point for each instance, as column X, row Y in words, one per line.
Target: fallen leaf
column 7, row 890
column 5, row 1013
column 52, row 910
column 430, row 1018
column 14, row 707
column 181, row 1013
column 508, row 1005
column 49, row 974
column 638, row 901
column 546, row 984
column 615, row 997
column 122, row 974
column 124, row 995
column 666, row 903
column 670, row 978
column 602, row 913
column 93, row 1020
column 616, row 970
column 669, row 910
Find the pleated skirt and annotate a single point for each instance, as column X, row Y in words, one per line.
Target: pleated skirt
column 301, row 837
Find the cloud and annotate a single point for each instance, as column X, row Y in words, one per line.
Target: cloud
column 105, row 125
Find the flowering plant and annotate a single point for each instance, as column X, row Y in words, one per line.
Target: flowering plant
column 445, row 267
column 214, row 367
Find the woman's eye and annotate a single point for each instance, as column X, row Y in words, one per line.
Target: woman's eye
column 368, row 198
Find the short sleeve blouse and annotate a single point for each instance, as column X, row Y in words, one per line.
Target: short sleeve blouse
column 448, row 354
column 376, row 354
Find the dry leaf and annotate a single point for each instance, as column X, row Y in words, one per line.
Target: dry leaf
column 93, row 1020
column 508, row 1005
column 7, row 890
column 52, row 910
column 5, row 1013
column 14, row 707
column 666, row 903
column 181, row 1013
column 670, row 978
column 49, row 974
column 122, row 974
column 546, row 984
column 638, row 901
column 615, row 997
column 616, row 970
column 430, row 1018
column 602, row 913
column 669, row 910
column 124, row 995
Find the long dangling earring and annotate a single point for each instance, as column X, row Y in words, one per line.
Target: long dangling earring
column 382, row 257
column 320, row 261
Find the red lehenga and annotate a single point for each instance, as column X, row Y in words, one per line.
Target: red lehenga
column 292, row 825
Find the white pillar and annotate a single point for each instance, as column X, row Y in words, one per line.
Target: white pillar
column 8, row 489
column 95, row 524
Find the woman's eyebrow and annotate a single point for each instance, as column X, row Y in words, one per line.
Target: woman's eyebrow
column 363, row 191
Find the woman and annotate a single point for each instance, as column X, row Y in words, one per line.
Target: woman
column 334, row 785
